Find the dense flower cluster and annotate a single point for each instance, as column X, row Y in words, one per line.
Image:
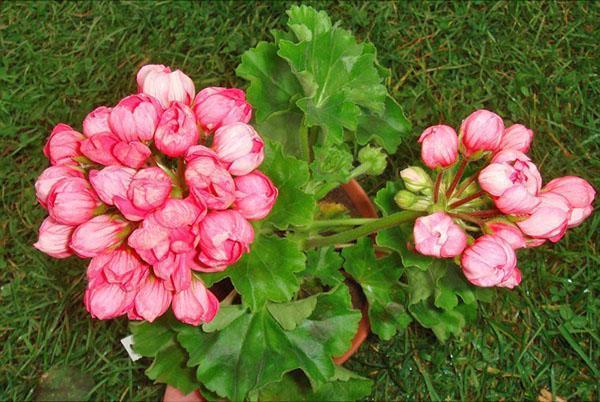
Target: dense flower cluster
column 505, row 200
column 158, row 186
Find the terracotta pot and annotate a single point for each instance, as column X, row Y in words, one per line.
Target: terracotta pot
column 363, row 206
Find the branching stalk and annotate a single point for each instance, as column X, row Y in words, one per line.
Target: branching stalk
column 459, row 173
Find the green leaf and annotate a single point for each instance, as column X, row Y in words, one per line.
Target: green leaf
column 442, row 323
column 305, row 20
column 289, row 315
column 283, row 127
column 267, row 272
column 254, row 350
column 384, row 199
column 325, row 263
column 379, row 281
column 293, row 206
column 158, row 341
column 387, row 129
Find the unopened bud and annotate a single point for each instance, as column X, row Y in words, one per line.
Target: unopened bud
column 373, row 159
column 410, row 201
column 416, row 179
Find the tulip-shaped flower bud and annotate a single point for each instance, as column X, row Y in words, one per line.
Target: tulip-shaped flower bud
column 373, row 161
column 152, row 299
column 63, row 145
column 508, row 232
column 149, row 189
column 215, row 107
column 165, row 85
column 99, row 148
column 224, row 237
column 177, row 130
column 110, row 182
column 132, row 154
column 549, row 219
column 98, row 235
column 195, row 305
column 255, row 195
column 517, row 137
column 490, row 261
column 96, row 122
column 579, row 194
column 209, row 182
column 439, row 146
column 239, row 148
column 54, row 238
column 120, row 266
column 438, row 236
column 72, row 201
column 135, row 118
column 481, row 131
column 104, row 300
column 177, row 213
column 416, row 180
column 50, row 177
column 412, row 202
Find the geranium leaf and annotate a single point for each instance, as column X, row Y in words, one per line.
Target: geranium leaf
column 379, row 281
column 384, row 199
column 387, row 129
column 325, row 263
column 289, row 315
column 442, row 323
column 293, row 206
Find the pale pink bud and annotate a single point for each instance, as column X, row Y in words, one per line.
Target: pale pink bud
column 516, row 201
column 110, row 182
column 135, row 118
column 96, row 122
column 517, row 137
column 508, row 232
column 579, row 194
column 224, row 237
column 54, row 238
column 99, row 148
column 98, row 235
column 239, row 147
column 549, row 219
column 72, row 201
column 481, row 131
column 119, row 266
column 50, row 177
column 178, row 213
column 177, row 130
column 489, row 261
column 149, row 188
column 152, row 299
column 195, row 305
column 255, row 195
column 215, row 107
column 132, row 154
column 209, row 182
column 63, row 145
column 165, row 85
column 439, row 146
column 150, row 240
column 513, row 280
column 107, row 300
column 438, row 236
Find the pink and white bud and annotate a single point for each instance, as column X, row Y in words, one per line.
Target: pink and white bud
column 239, row 147
column 517, row 137
column 177, row 213
column 255, row 195
column 439, row 146
column 165, row 85
column 224, row 237
column 50, row 177
column 513, row 280
column 176, row 131
column 509, row 232
column 153, row 299
column 579, row 194
column 104, row 300
column 481, row 131
column 98, row 235
column 72, row 201
column 135, row 118
column 149, row 189
column 215, row 107
column 209, row 182
column 63, row 145
column 121, row 266
column 96, row 122
column 99, row 148
column 110, row 182
column 549, row 219
column 150, row 240
column 516, row 201
column 438, row 236
column 195, row 305
column 489, row 261
column 132, row 154
column 54, row 238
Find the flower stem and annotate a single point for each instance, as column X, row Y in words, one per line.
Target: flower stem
column 366, row 229
column 466, row 184
column 468, row 218
column 472, row 197
column 304, row 143
column 436, row 187
column 459, row 173
column 340, row 222
column 486, row 213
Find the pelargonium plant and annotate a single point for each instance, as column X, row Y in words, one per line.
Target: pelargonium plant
column 257, row 284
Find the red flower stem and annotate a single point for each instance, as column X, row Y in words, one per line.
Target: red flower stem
column 459, row 173
column 466, row 184
column 467, row 217
column 436, row 187
column 472, row 197
column 485, row 213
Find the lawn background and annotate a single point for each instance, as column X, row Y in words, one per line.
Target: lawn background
column 535, row 63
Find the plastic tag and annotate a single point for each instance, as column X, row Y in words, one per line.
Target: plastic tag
column 127, row 344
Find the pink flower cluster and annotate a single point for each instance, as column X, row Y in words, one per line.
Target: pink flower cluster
column 521, row 212
column 158, row 186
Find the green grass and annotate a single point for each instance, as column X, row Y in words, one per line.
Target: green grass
column 535, row 63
